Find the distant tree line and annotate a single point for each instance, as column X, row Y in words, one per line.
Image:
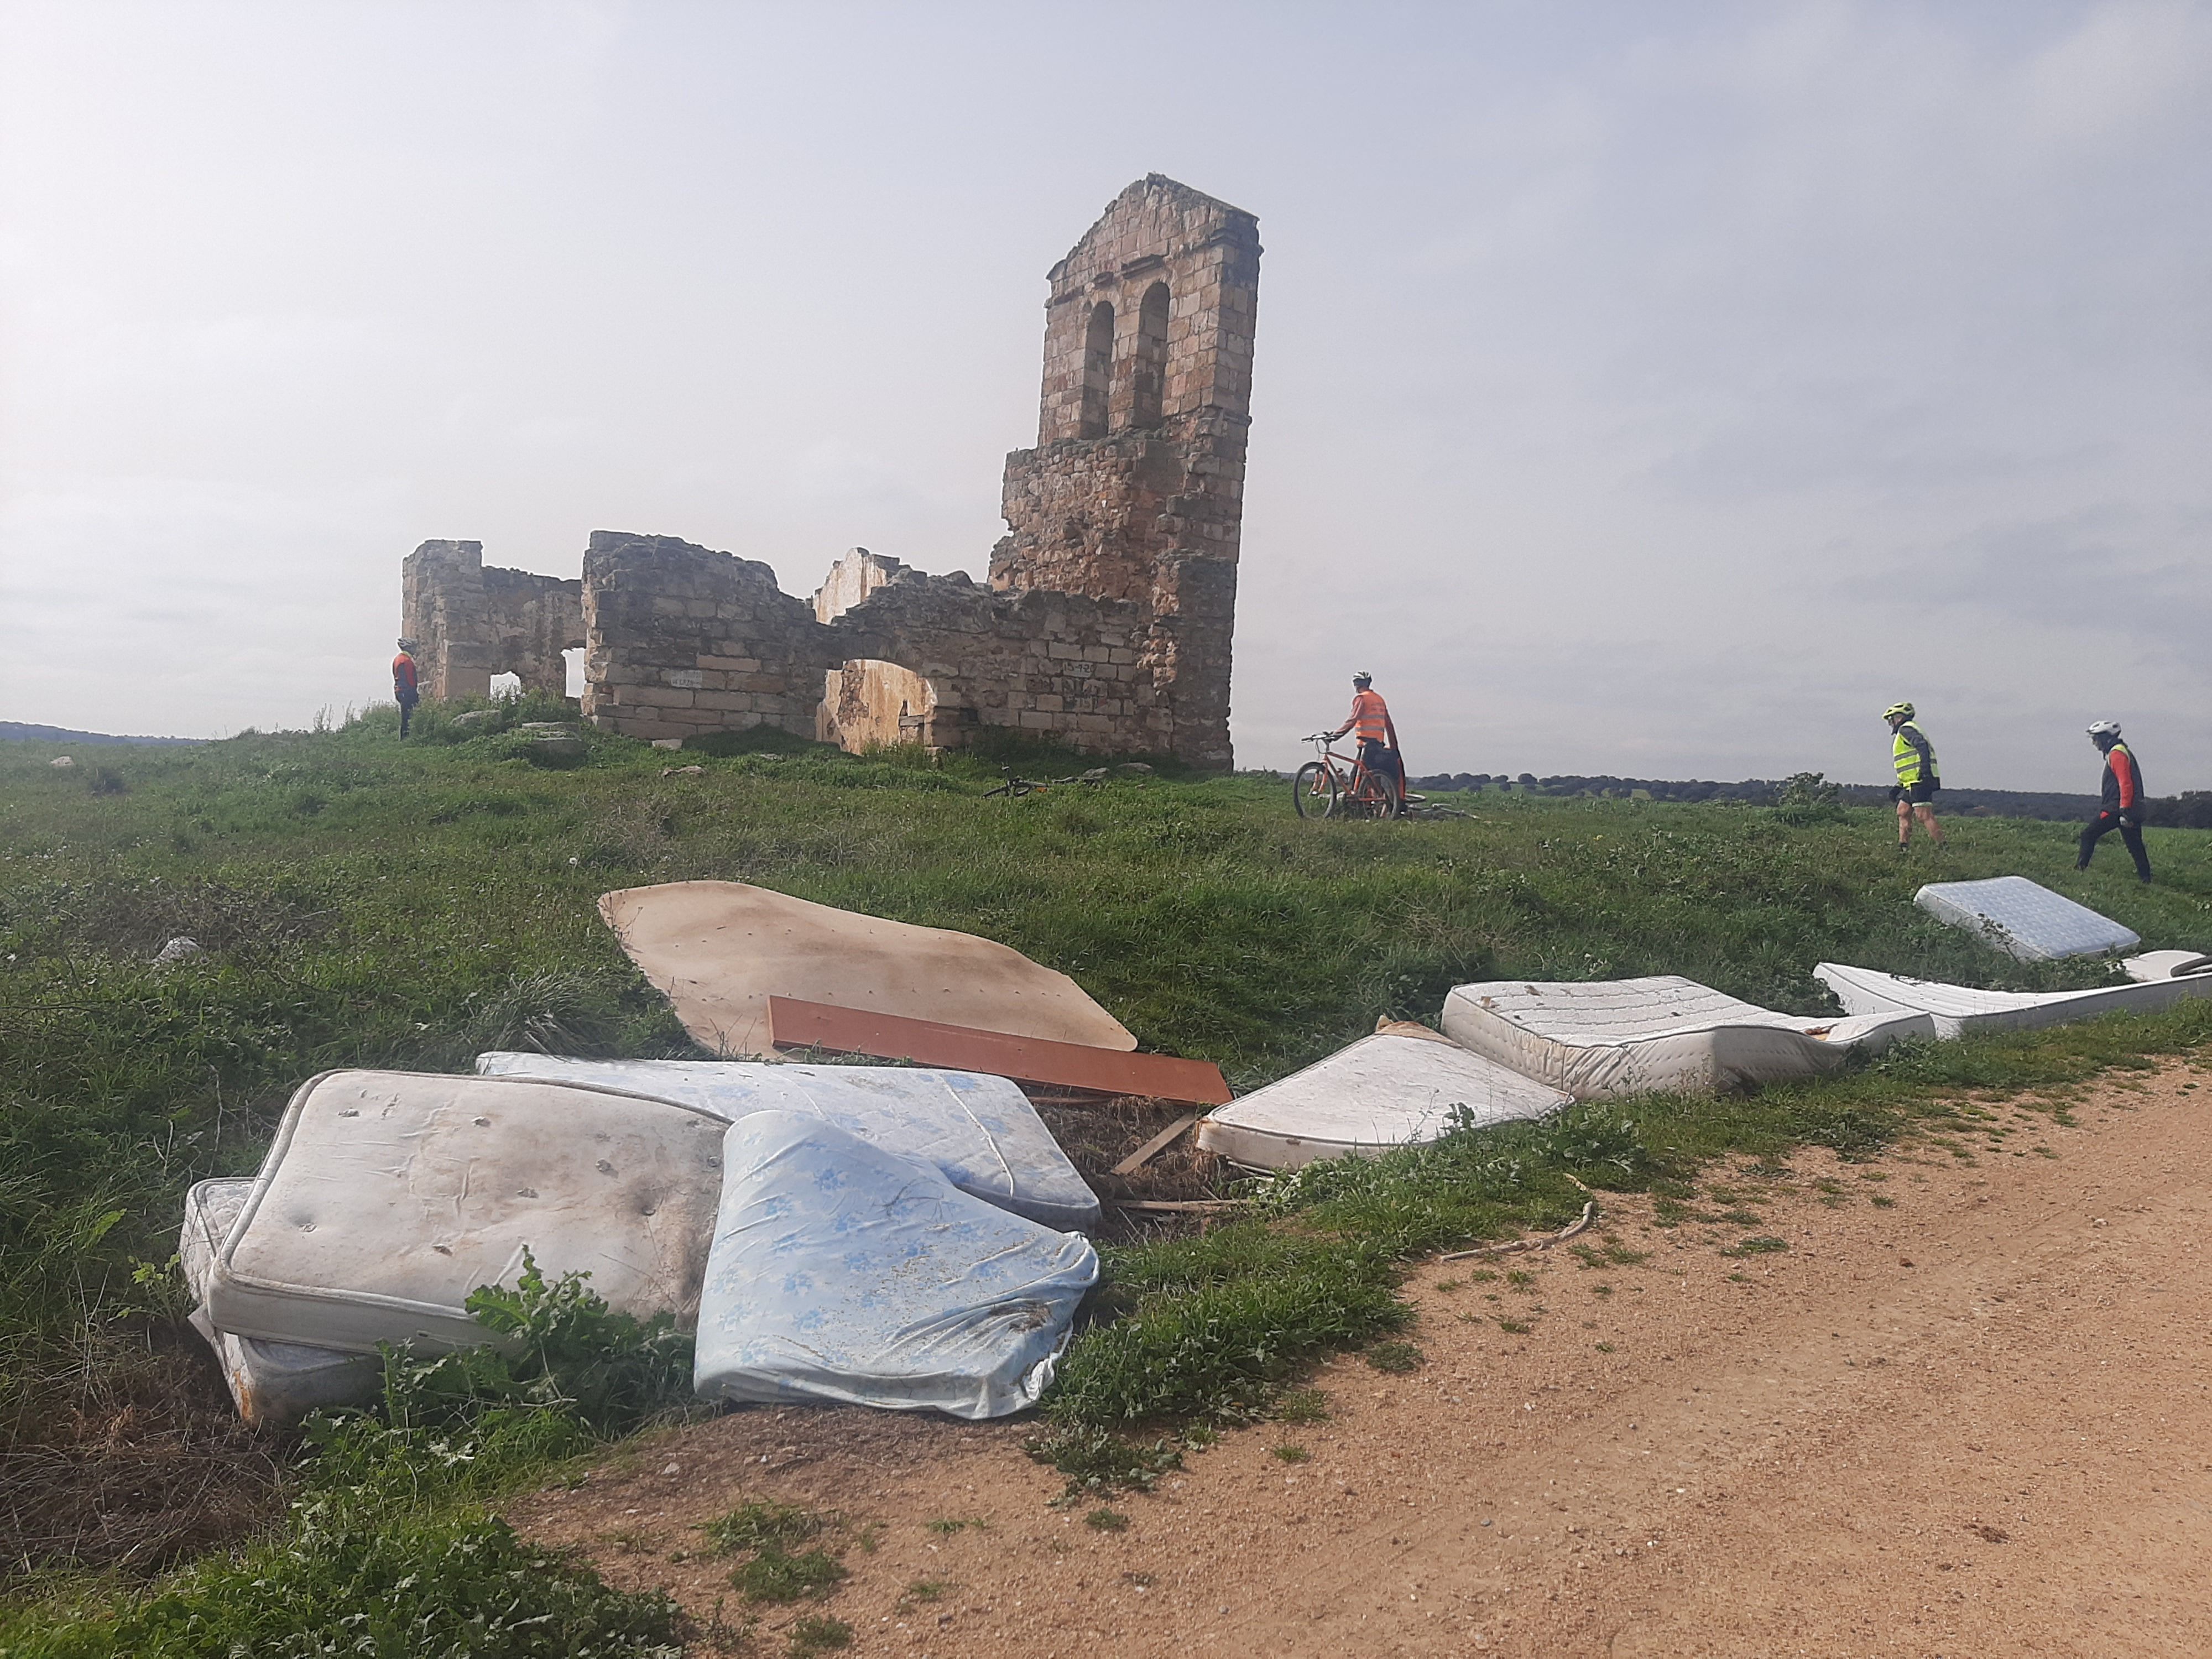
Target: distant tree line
column 2190, row 811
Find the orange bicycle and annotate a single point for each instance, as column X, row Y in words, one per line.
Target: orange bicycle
column 1340, row 786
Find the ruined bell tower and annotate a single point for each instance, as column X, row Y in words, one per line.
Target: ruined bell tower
column 1135, row 490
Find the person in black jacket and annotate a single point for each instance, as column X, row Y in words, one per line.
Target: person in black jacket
column 2124, row 798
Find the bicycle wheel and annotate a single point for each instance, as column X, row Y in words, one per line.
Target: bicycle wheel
column 1313, row 791
column 1371, row 796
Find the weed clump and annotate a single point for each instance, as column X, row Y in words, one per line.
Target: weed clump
column 777, row 1575
column 818, row 1633
column 1398, row 1358
column 762, row 1526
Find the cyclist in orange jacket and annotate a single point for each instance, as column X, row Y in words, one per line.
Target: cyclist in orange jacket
column 404, row 688
column 2123, row 803
column 1371, row 721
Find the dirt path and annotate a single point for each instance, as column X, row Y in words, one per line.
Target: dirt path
column 1973, row 1418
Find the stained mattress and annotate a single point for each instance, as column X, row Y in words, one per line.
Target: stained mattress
column 843, row 1271
column 981, row 1132
column 271, row 1383
column 1609, row 1037
column 2023, row 920
column 388, row 1197
column 1382, row 1091
column 1956, row 1009
column 718, row 950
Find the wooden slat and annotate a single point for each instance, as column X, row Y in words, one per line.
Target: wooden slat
column 1152, row 1148
column 796, row 1023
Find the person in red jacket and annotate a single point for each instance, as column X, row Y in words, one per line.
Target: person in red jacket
column 1370, row 719
column 403, row 687
column 2123, row 799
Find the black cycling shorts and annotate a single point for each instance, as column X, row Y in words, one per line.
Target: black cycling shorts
column 1919, row 793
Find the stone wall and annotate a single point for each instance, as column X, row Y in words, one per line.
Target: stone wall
column 684, row 641
column 851, row 580
column 1139, row 471
column 1108, row 620
column 470, row 623
column 681, row 640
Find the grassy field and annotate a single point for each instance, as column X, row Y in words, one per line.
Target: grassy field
column 360, row 903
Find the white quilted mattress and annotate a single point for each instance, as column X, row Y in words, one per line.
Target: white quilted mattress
column 981, row 1131
column 272, row 1383
column 1382, row 1091
column 1957, row 1008
column 1624, row 1037
column 388, row 1197
column 2023, row 920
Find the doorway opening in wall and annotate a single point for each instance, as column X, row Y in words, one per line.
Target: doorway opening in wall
column 506, row 685
column 572, row 665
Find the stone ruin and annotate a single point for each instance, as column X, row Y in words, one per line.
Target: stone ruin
column 1107, row 619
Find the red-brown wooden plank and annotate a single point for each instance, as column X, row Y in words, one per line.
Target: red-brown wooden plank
column 795, row 1024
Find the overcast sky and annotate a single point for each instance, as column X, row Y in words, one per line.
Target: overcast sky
column 1654, row 390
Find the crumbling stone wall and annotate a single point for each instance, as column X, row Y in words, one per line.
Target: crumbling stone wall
column 851, row 580
column 681, row 640
column 470, row 623
column 1136, row 487
column 684, row 641
column 1108, row 619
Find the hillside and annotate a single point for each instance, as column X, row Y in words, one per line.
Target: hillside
column 363, row 902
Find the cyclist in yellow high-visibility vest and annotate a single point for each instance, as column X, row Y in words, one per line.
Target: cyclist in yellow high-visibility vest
column 1914, row 792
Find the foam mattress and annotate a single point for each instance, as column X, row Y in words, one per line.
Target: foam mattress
column 1623, row 1036
column 1383, row 1091
column 2166, row 964
column 2023, row 920
column 272, row 1383
column 981, row 1132
column 388, row 1197
column 1959, row 1008
column 718, row 950
column 842, row 1271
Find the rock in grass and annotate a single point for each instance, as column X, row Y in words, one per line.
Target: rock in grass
column 178, row 950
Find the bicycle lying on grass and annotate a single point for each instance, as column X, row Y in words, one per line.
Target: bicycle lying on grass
column 1333, row 786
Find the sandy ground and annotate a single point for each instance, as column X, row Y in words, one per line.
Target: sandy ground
column 1967, row 1411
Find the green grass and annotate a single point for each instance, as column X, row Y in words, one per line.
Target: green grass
column 363, row 902
column 762, row 1526
column 779, row 1574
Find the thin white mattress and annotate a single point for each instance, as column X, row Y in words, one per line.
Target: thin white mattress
column 842, row 1271
column 1382, row 1091
column 272, row 1383
column 388, row 1197
column 2023, row 919
column 981, row 1131
column 2166, row 964
column 1623, row 1036
column 1957, row 1008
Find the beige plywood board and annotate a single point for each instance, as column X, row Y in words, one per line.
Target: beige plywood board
column 718, row 950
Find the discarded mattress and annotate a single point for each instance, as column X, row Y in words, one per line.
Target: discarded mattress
column 272, row 1383
column 718, row 950
column 1383, row 1091
column 842, row 1271
column 388, row 1197
column 1626, row 1036
column 2166, row 964
column 981, row 1132
column 1959, row 1008
column 2023, row 919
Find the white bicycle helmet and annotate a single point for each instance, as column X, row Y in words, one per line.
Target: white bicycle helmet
column 2104, row 728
